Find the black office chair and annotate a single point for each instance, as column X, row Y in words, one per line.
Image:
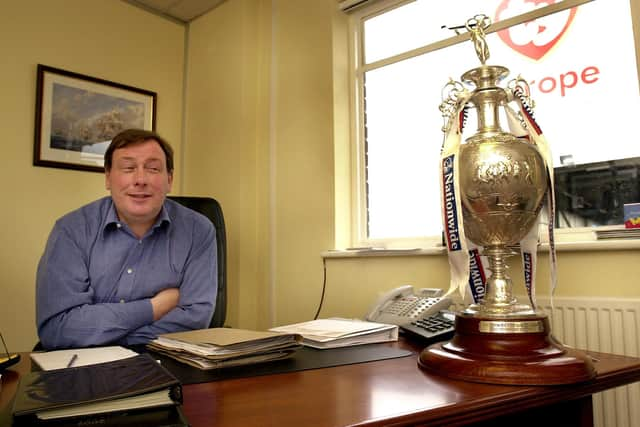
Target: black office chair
column 210, row 208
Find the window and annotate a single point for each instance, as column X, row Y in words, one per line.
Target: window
column 579, row 57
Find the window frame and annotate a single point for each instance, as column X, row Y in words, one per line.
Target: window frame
column 358, row 68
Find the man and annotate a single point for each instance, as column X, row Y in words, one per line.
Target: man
column 128, row 267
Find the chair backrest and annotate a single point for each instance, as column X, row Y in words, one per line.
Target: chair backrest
column 210, row 208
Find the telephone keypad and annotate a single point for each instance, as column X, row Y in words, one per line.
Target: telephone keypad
column 412, row 305
column 437, row 327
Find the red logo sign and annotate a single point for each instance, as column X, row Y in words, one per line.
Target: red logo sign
column 533, row 39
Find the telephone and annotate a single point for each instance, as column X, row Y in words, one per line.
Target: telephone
column 401, row 306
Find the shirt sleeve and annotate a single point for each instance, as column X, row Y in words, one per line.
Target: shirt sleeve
column 66, row 315
column 198, row 291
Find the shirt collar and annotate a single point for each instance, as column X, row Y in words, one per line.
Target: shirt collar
column 163, row 217
column 112, row 220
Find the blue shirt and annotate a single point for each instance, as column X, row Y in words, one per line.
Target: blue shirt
column 96, row 278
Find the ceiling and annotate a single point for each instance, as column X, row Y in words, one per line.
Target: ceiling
column 181, row 10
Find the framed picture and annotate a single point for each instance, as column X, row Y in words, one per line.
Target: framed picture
column 77, row 116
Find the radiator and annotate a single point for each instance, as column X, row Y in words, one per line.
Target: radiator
column 608, row 325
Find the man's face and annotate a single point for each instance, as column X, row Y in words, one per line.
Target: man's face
column 139, row 181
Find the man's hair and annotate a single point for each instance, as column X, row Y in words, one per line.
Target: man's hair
column 137, row 136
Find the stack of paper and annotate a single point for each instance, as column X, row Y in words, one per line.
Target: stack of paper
column 337, row 332
column 617, row 232
column 224, row 347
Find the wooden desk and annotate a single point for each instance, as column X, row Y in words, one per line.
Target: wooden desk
column 390, row 392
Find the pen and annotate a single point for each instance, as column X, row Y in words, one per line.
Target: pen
column 73, row 359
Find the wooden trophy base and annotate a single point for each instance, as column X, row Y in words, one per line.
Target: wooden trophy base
column 511, row 350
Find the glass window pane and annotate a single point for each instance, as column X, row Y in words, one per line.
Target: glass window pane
column 403, row 144
column 586, row 94
column 420, row 23
column 594, row 194
column 579, row 82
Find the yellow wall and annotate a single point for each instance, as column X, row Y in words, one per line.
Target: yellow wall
column 259, row 137
column 261, row 104
column 227, row 126
column 106, row 39
column 304, row 154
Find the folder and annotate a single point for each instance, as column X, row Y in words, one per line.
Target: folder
column 106, row 389
column 216, row 348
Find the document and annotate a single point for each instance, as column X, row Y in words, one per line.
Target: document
column 215, row 348
column 105, row 388
column 58, row 359
column 338, row 332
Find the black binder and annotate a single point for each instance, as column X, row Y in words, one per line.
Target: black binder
column 109, row 390
column 167, row 416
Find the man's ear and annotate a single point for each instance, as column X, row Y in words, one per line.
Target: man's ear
column 107, row 180
column 170, row 182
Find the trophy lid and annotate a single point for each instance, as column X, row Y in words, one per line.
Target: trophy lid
column 485, row 76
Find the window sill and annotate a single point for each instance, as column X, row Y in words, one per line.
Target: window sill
column 381, row 252
column 595, row 245
column 599, row 245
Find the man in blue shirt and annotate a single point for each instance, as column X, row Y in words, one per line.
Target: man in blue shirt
column 128, row 267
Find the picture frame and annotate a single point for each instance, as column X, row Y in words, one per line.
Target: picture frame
column 78, row 115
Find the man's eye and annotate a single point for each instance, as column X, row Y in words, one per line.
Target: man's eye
column 153, row 169
column 128, row 169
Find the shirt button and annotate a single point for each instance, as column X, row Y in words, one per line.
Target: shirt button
column 118, row 225
column 139, row 242
column 122, row 301
column 129, row 270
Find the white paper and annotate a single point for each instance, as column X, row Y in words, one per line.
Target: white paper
column 330, row 328
column 58, row 359
column 338, row 332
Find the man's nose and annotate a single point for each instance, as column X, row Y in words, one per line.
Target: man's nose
column 140, row 176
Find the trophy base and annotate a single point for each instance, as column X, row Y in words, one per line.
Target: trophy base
column 518, row 351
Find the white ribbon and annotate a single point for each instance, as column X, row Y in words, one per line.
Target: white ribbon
column 455, row 238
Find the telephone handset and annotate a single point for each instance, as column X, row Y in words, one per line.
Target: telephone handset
column 401, row 306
